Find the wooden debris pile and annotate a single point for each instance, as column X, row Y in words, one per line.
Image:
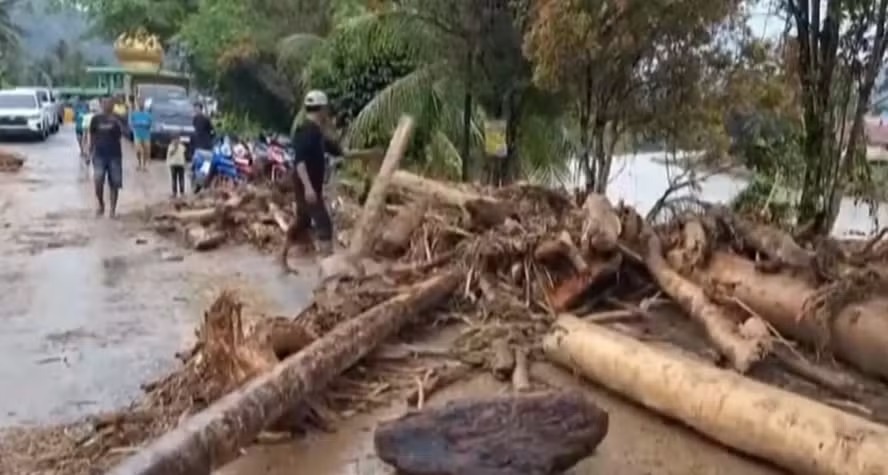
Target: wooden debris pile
column 258, row 215
column 499, row 269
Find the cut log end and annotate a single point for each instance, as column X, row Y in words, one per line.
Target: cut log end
column 521, row 434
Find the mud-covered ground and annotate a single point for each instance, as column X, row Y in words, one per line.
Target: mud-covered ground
column 91, row 308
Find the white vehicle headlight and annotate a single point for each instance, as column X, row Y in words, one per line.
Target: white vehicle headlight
column 35, row 116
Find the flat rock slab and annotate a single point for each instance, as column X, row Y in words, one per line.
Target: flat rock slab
column 529, row 434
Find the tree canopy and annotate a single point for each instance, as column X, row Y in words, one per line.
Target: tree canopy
column 564, row 82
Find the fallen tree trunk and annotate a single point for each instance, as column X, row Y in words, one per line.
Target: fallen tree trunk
column 793, row 432
column 363, row 236
column 485, row 211
column 741, row 350
column 215, row 435
column 542, row 433
column 769, row 240
column 364, row 232
column 858, row 333
column 601, row 225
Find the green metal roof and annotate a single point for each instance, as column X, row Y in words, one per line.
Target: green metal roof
column 133, row 72
column 81, row 91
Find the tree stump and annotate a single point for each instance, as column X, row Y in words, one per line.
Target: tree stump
column 532, row 434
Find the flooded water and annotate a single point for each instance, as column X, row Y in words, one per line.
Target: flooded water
column 92, row 308
column 641, row 179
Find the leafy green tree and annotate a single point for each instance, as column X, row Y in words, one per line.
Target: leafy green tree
column 9, row 32
column 605, row 54
column 113, row 17
column 840, row 48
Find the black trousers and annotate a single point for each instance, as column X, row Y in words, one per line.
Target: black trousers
column 177, row 177
column 310, row 213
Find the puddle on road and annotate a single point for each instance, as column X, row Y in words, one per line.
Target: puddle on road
column 117, row 320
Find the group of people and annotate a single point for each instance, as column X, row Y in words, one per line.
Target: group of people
column 99, row 132
column 99, row 129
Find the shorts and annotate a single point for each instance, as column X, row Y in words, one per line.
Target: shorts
column 110, row 168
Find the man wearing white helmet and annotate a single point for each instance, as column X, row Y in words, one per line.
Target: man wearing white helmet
column 310, row 147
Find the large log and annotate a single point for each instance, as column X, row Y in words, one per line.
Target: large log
column 364, row 232
column 215, row 435
column 793, row 432
column 742, row 350
column 601, row 225
column 363, row 235
column 858, row 333
column 485, row 211
column 534, row 434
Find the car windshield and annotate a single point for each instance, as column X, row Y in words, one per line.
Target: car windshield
column 17, row 101
column 172, row 113
column 162, row 91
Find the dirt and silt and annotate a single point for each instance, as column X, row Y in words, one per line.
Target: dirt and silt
column 519, row 267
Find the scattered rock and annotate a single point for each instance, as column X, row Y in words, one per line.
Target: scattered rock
column 534, row 434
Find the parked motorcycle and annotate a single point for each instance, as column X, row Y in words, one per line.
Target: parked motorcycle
column 280, row 159
column 221, row 166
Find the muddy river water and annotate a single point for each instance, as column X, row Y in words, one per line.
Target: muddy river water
column 92, row 308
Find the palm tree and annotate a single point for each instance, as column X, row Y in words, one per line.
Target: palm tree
column 9, row 31
column 448, row 104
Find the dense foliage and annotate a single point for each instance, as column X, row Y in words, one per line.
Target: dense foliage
column 555, row 85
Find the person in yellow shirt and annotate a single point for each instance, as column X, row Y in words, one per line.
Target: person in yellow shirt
column 176, row 161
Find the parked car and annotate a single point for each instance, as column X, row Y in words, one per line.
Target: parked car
column 22, row 113
column 170, row 118
column 50, row 103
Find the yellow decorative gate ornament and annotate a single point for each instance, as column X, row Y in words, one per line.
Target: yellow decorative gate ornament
column 139, row 51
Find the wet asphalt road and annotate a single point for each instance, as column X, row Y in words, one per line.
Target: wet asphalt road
column 92, row 308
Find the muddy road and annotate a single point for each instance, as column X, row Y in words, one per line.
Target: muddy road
column 92, row 308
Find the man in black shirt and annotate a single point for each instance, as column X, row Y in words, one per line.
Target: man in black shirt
column 204, row 133
column 105, row 131
column 310, row 148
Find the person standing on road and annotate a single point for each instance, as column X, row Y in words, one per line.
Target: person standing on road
column 140, row 124
column 204, row 134
column 81, row 108
column 310, row 147
column 176, row 161
column 85, row 121
column 105, row 132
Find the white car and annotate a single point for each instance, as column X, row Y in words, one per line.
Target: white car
column 50, row 103
column 21, row 113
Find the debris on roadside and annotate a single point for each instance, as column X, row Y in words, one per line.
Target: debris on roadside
column 10, row 161
column 522, row 274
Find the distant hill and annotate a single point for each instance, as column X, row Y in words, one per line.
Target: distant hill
column 44, row 26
